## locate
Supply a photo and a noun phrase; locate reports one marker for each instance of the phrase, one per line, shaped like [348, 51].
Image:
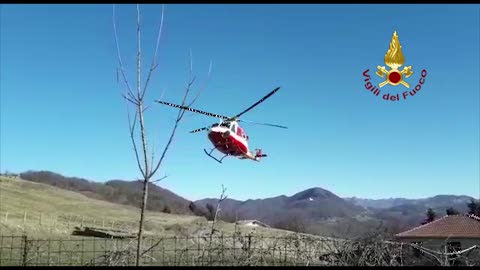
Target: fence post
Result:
[222, 248]
[25, 250]
[234, 248]
[24, 220]
[175, 251]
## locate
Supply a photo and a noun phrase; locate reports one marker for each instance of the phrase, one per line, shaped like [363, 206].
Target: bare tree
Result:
[217, 209]
[135, 100]
[213, 214]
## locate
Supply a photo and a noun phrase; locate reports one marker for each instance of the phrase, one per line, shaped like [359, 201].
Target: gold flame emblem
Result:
[394, 59]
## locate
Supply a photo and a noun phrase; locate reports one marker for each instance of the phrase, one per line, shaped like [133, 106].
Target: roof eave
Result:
[438, 236]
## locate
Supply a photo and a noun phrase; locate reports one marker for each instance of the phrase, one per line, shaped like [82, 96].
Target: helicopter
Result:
[227, 136]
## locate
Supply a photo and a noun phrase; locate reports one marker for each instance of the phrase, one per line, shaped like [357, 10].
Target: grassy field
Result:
[44, 211]
[47, 216]
[37, 220]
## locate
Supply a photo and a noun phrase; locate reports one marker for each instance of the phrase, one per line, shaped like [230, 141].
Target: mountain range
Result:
[311, 205]
[432, 202]
[314, 210]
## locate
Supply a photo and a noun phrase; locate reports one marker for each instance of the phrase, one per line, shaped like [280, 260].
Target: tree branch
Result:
[153, 246]
[139, 55]
[146, 108]
[152, 152]
[204, 86]
[154, 60]
[130, 100]
[158, 180]
[140, 108]
[181, 112]
[131, 127]
[217, 209]
[125, 80]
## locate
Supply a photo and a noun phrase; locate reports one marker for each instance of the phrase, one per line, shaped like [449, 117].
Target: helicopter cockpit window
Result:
[225, 124]
[234, 127]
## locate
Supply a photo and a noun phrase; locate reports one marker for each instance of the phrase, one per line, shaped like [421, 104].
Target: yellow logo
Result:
[394, 59]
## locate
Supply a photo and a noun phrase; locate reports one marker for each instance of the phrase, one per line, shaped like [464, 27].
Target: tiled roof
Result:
[455, 226]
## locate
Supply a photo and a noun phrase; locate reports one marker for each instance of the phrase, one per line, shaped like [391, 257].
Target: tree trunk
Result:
[146, 178]
[137, 99]
[140, 229]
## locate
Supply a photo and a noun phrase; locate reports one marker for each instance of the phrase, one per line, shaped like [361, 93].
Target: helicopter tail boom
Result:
[258, 155]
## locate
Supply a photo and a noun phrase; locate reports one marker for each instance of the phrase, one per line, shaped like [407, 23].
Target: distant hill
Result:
[314, 204]
[301, 212]
[314, 210]
[317, 210]
[438, 201]
[118, 191]
[379, 203]
[411, 212]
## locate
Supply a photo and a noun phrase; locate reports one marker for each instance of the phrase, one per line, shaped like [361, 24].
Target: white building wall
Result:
[439, 243]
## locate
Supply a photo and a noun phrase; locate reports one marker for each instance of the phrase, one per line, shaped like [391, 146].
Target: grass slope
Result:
[44, 211]
[38, 209]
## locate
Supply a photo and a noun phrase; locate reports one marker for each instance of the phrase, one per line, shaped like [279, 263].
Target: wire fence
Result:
[61, 221]
[222, 250]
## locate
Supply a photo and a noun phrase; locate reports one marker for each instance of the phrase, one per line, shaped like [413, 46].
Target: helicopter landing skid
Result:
[210, 155]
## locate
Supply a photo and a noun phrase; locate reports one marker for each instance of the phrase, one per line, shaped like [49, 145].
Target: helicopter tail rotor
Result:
[259, 154]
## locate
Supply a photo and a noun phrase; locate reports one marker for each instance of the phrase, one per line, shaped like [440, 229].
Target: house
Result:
[449, 233]
[253, 223]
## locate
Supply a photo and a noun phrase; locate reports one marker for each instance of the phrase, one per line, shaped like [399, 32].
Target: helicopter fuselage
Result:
[229, 138]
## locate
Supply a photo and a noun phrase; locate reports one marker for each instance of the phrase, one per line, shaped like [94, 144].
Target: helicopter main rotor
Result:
[225, 118]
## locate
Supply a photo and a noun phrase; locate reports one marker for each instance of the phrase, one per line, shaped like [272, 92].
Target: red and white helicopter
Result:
[227, 136]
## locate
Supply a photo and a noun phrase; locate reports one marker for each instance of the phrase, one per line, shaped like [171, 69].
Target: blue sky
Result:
[61, 109]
